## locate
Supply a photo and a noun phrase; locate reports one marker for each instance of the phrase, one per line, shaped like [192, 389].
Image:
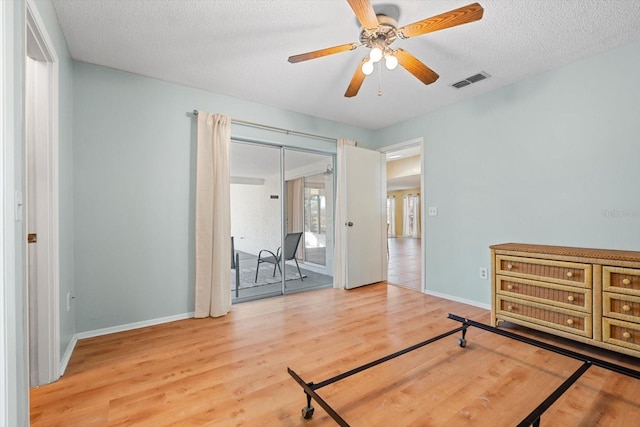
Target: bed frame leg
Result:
[307, 411]
[462, 342]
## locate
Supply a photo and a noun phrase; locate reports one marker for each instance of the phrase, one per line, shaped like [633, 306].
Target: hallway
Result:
[405, 256]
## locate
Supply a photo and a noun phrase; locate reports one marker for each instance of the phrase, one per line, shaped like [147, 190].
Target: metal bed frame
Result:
[533, 419]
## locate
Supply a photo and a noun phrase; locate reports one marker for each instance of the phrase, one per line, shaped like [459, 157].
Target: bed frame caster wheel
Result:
[307, 412]
[462, 342]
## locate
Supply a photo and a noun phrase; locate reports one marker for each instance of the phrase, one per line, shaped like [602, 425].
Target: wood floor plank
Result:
[231, 371]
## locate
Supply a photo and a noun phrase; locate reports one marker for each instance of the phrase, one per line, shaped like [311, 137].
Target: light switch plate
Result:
[433, 211]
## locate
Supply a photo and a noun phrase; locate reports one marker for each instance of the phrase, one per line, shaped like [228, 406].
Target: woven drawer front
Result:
[621, 333]
[573, 322]
[623, 280]
[547, 293]
[567, 273]
[620, 306]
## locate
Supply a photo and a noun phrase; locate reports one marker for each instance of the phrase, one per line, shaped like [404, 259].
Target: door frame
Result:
[46, 98]
[416, 142]
[7, 244]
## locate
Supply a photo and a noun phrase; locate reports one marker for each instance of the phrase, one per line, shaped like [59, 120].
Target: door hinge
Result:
[32, 237]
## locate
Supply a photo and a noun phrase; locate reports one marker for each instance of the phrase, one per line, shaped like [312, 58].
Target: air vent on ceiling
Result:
[473, 79]
[460, 84]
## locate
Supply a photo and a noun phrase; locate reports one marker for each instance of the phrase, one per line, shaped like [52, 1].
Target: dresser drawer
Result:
[570, 321]
[622, 280]
[561, 272]
[569, 297]
[620, 306]
[620, 333]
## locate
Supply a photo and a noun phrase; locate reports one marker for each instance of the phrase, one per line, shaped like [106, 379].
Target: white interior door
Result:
[41, 131]
[365, 216]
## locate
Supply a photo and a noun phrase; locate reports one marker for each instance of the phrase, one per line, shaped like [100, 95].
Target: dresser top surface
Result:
[612, 254]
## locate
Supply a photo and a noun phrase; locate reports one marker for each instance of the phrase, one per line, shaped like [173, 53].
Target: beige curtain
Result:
[411, 216]
[295, 221]
[416, 217]
[406, 215]
[391, 231]
[213, 216]
[340, 244]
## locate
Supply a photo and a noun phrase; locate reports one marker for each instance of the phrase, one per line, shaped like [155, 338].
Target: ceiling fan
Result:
[380, 31]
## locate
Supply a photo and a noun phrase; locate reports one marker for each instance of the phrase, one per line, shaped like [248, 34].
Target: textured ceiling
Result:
[240, 48]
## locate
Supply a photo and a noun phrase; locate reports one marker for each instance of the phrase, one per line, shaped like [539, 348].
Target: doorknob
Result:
[349, 224]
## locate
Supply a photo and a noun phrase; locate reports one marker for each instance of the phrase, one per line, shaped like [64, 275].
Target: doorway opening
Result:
[405, 214]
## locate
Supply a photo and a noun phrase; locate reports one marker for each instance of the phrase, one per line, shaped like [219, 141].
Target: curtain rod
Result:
[276, 129]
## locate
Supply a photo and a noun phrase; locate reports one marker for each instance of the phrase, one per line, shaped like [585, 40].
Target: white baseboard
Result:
[457, 299]
[67, 355]
[130, 326]
[120, 328]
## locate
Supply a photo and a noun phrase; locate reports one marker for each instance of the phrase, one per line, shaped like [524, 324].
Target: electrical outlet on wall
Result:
[484, 273]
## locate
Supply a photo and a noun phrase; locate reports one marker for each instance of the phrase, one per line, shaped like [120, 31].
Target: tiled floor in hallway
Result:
[405, 256]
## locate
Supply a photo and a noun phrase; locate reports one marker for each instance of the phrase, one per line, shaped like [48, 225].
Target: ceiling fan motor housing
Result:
[382, 36]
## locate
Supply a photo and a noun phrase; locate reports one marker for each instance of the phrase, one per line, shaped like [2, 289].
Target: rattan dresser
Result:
[588, 295]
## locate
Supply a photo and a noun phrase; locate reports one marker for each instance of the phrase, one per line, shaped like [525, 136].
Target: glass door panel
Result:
[256, 220]
[309, 188]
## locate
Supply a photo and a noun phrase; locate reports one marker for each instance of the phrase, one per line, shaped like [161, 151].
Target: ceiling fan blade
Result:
[323, 52]
[463, 15]
[365, 13]
[356, 81]
[423, 73]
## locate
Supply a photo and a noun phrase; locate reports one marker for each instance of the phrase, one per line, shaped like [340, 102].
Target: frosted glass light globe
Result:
[375, 54]
[391, 62]
[367, 68]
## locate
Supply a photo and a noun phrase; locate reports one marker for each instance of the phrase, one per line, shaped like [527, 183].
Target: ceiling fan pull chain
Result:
[379, 79]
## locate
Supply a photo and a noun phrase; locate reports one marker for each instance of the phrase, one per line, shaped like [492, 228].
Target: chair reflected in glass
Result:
[291, 242]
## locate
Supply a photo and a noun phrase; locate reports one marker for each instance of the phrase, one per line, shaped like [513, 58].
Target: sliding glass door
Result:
[281, 220]
[309, 184]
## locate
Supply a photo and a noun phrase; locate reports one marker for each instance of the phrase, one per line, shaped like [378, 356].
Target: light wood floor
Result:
[231, 371]
[405, 257]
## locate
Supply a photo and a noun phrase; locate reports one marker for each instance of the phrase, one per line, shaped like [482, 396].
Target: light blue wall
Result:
[134, 157]
[551, 160]
[65, 168]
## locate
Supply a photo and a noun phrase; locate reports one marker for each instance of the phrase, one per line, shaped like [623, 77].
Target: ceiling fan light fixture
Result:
[376, 54]
[390, 61]
[367, 67]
